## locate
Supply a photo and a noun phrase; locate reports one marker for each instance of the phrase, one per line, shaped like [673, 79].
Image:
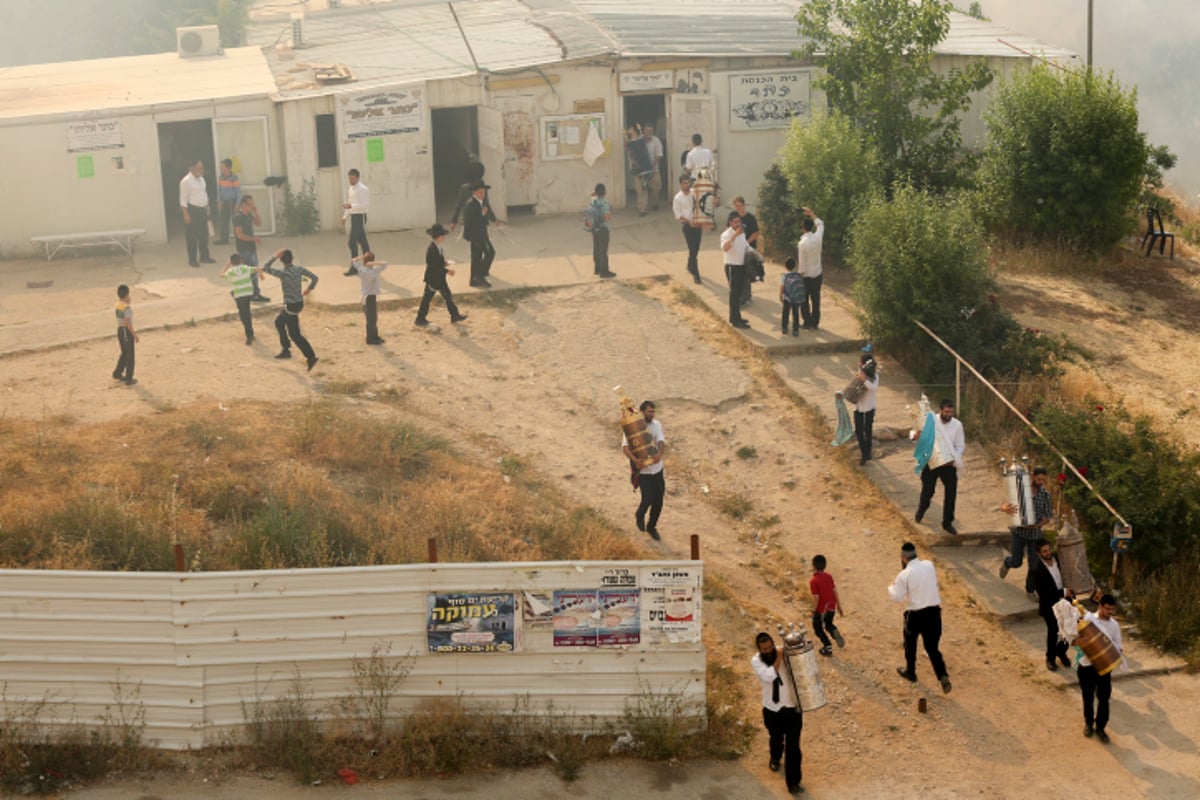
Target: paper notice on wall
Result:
[593, 148]
[670, 614]
[574, 618]
[619, 620]
[471, 623]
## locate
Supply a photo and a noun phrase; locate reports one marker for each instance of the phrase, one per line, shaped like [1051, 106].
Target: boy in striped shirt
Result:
[242, 276]
[291, 277]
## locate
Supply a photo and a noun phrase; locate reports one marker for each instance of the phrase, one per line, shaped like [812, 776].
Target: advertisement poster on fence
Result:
[671, 614]
[620, 618]
[471, 623]
[537, 611]
[575, 618]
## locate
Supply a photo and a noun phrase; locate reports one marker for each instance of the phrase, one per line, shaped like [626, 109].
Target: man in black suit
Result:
[1048, 583]
[475, 230]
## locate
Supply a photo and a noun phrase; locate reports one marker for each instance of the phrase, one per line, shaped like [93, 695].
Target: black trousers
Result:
[358, 234]
[600, 251]
[948, 475]
[783, 731]
[692, 237]
[372, 314]
[926, 624]
[1054, 648]
[653, 489]
[124, 370]
[482, 256]
[444, 290]
[737, 283]
[243, 307]
[288, 326]
[864, 429]
[197, 234]
[792, 309]
[250, 259]
[224, 221]
[1095, 688]
[810, 309]
[823, 621]
[745, 298]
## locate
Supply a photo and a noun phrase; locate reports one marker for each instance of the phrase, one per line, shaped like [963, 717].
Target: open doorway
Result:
[648, 109]
[455, 146]
[181, 144]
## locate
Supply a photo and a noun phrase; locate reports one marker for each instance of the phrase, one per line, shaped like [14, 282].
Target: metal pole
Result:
[1089, 34]
[957, 386]
[433, 558]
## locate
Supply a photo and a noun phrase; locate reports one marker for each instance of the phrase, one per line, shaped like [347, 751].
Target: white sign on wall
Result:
[94, 134]
[382, 113]
[768, 98]
[647, 81]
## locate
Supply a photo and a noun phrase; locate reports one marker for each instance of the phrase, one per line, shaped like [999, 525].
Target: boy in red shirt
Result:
[826, 603]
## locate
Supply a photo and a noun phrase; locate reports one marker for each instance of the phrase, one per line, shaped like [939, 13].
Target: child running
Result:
[291, 277]
[242, 276]
[826, 602]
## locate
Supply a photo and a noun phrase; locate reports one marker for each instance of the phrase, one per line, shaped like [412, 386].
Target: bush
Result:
[827, 165]
[299, 216]
[1149, 479]
[1064, 161]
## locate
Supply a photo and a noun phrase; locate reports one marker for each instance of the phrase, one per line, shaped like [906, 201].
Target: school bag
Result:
[793, 288]
[591, 217]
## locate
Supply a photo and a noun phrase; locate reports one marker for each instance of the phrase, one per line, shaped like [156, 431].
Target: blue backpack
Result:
[590, 217]
[793, 288]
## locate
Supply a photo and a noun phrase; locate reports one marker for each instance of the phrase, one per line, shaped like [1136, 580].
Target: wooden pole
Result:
[180, 564]
[433, 551]
[695, 547]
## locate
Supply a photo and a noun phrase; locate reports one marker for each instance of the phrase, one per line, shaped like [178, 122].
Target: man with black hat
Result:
[917, 587]
[782, 715]
[476, 216]
[436, 270]
[684, 208]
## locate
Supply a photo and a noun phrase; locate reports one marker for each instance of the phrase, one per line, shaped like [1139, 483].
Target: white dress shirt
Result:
[359, 198]
[950, 434]
[736, 255]
[808, 251]
[683, 206]
[1109, 628]
[654, 148]
[916, 586]
[768, 675]
[193, 191]
[870, 388]
[699, 157]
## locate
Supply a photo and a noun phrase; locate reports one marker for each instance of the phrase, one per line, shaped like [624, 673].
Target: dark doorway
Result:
[181, 144]
[648, 109]
[455, 146]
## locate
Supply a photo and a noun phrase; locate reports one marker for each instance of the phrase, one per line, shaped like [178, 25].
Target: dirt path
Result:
[537, 382]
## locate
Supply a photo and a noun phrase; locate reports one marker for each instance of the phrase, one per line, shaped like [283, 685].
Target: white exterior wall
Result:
[191, 648]
[114, 199]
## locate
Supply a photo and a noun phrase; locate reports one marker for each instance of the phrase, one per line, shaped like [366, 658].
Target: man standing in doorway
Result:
[684, 208]
[951, 442]
[782, 716]
[917, 588]
[358, 201]
[193, 201]
[699, 159]
[650, 185]
[651, 481]
[808, 264]
[229, 194]
[476, 216]
[733, 242]
[246, 242]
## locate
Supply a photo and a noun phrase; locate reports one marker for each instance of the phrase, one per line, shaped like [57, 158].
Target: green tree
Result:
[827, 165]
[1065, 161]
[878, 59]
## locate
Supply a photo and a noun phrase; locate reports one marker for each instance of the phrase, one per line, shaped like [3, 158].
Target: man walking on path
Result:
[193, 202]
[291, 277]
[1023, 539]
[358, 202]
[684, 208]
[1047, 580]
[917, 588]
[476, 217]
[1094, 687]
[950, 441]
[782, 715]
[651, 482]
[808, 264]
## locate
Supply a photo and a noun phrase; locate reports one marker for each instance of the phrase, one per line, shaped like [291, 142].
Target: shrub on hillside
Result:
[827, 165]
[919, 257]
[1064, 161]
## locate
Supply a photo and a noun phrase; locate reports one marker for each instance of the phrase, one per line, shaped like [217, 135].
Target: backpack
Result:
[591, 217]
[793, 288]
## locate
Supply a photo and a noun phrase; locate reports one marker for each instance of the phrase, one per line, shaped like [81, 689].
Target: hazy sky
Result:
[1153, 44]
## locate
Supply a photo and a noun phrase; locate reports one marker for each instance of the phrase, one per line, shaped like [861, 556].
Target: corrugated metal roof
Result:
[120, 84]
[975, 37]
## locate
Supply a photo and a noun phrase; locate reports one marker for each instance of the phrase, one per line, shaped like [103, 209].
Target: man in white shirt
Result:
[733, 242]
[699, 158]
[782, 715]
[950, 440]
[808, 264]
[917, 588]
[684, 209]
[651, 481]
[1092, 685]
[358, 201]
[649, 186]
[193, 202]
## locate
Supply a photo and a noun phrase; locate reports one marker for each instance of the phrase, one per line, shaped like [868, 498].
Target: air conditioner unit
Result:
[201, 40]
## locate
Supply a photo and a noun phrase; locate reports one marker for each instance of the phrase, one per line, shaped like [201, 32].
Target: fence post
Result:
[432, 550]
[180, 564]
[957, 386]
[695, 547]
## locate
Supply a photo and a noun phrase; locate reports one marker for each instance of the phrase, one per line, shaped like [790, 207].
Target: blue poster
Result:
[471, 623]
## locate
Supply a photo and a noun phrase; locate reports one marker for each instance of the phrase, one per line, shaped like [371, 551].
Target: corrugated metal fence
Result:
[192, 649]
